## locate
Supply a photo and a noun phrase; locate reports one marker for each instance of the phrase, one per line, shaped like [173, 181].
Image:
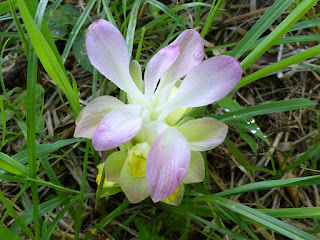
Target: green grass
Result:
[47, 177]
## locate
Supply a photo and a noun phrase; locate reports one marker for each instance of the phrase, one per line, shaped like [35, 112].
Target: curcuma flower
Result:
[160, 148]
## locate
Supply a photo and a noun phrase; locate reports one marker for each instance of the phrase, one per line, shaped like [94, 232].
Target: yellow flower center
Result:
[137, 165]
[138, 159]
[106, 183]
[177, 114]
[173, 196]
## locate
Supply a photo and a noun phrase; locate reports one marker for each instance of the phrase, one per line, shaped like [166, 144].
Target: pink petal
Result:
[208, 82]
[90, 116]
[158, 65]
[167, 164]
[118, 127]
[203, 134]
[108, 53]
[191, 47]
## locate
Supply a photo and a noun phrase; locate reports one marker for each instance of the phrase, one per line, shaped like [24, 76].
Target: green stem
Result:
[31, 133]
[82, 189]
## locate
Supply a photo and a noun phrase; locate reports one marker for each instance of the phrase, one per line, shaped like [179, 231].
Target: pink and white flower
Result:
[159, 151]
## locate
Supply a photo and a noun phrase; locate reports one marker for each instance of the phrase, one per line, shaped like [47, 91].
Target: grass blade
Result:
[6, 234]
[110, 18]
[16, 216]
[168, 11]
[10, 165]
[82, 189]
[212, 15]
[309, 53]
[24, 40]
[223, 230]
[260, 27]
[48, 58]
[306, 24]
[266, 108]
[306, 156]
[131, 26]
[263, 185]
[76, 28]
[260, 219]
[44, 149]
[56, 220]
[277, 33]
[306, 212]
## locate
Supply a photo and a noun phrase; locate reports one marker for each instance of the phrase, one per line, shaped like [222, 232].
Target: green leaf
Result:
[252, 143]
[291, 39]
[56, 220]
[277, 33]
[108, 12]
[263, 185]
[59, 19]
[306, 24]
[80, 52]
[306, 212]
[27, 217]
[168, 11]
[256, 216]
[52, 64]
[243, 123]
[10, 165]
[238, 155]
[18, 220]
[132, 26]
[107, 219]
[76, 28]
[309, 53]
[266, 108]
[314, 151]
[236, 219]
[260, 27]
[44, 149]
[3, 122]
[223, 230]
[44, 208]
[4, 7]
[82, 192]
[24, 40]
[215, 8]
[6, 234]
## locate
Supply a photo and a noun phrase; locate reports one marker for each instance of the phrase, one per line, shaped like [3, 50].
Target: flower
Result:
[159, 148]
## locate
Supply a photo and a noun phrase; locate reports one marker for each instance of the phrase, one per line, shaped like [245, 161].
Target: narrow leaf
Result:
[10, 165]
